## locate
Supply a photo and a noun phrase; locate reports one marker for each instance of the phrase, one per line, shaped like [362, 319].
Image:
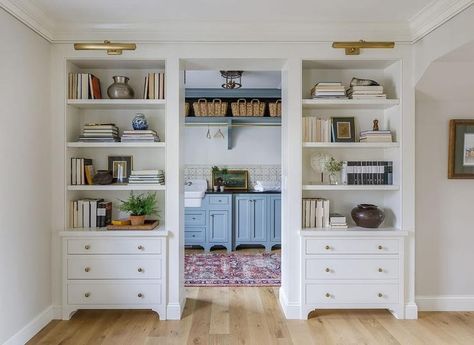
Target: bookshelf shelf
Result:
[350, 103]
[123, 104]
[113, 187]
[116, 145]
[101, 232]
[341, 187]
[353, 231]
[351, 145]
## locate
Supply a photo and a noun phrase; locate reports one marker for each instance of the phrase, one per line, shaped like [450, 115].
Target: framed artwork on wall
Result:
[343, 130]
[461, 149]
[233, 179]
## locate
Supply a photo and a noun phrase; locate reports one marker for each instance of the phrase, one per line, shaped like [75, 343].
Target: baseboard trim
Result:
[32, 328]
[175, 310]
[446, 303]
[411, 311]
[292, 311]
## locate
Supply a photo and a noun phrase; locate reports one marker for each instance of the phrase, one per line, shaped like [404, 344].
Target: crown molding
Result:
[434, 15]
[31, 16]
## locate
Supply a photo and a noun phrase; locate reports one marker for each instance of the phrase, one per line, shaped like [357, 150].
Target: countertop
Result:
[241, 191]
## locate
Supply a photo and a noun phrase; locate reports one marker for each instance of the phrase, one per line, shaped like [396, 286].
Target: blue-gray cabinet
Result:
[232, 220]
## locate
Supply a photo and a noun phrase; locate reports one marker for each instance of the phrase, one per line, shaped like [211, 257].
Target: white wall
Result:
[444, 227]
[251, 146]
[25, 202]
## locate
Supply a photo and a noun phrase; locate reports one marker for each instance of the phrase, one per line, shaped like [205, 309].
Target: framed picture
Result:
[121, 167]
[343, 130]
[461, 149]
[233, 179]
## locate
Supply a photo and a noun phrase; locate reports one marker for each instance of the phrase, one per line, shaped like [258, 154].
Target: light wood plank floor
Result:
[224, 316]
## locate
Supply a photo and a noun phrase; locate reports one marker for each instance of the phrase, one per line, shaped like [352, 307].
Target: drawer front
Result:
[351, 268]
[351, 294]
[194, 218]
[351, 246]
[113, 267]
[219, 199]
[113, 293]
[194, 235]
[115, 246]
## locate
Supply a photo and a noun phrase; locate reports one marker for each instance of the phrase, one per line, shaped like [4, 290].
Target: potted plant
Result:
[139, 206]
[333, 166]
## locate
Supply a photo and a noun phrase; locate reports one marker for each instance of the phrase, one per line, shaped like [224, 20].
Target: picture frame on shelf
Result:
[121, 167]
[461, 149]
[343, 129]
[233, 179]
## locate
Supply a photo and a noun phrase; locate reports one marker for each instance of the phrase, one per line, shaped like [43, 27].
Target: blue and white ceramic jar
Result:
[140, 122]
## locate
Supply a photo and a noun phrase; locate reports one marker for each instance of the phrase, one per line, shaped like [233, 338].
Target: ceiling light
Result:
[233, 79]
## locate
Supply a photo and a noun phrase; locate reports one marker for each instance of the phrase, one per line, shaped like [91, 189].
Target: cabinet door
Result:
[275, 218]
[219, 230]
[242, 218]
[259, 219]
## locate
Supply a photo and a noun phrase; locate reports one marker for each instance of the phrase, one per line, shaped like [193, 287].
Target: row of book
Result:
[83, 86]
[367, 172]
[90, 213]
[380, 136]
[316, 129]
[154, 86]
[147, 177]
[328, 90]
[315, 213]
[104, 132]
[366, 92]
[134, 136]
[82, 171]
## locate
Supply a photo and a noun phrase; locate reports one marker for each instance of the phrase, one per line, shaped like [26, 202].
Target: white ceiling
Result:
[234, 20]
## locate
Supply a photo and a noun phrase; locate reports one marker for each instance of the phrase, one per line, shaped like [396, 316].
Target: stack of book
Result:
[366, 92]
[316, 130]
[105, 132]
[90, 213]
[367, 172]
[154, 86]
[337, 221]
[83, 86]
[328, 90]
[140, 136]
[82, 171]
[315, 213]
[384, 136]
[147, 177]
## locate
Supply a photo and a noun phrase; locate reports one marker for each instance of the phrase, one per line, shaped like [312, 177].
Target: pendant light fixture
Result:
[233, 79]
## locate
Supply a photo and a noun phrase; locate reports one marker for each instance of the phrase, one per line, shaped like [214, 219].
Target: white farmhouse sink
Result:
[194, 192]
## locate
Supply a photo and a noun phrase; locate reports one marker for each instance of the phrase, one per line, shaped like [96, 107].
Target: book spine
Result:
[93, 216]
[344, 173]
[390, 173]
[76, 215]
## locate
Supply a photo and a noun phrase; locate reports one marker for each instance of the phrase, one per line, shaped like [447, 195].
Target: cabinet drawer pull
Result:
[87, 269]
[328, 270]
[140, 269]
[327, 247]
[328, 295]
[380, 270]
[87, 295]
[87, 247]
[140, 295]
[380, 295]
[380, 247]
[140, 247]
[194, 218]
[194, 235]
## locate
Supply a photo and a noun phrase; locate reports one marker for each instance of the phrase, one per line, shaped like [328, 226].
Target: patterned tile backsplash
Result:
[267, 173]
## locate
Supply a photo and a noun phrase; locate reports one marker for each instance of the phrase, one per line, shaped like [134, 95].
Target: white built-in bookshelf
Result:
[146, 155]
[389, 113]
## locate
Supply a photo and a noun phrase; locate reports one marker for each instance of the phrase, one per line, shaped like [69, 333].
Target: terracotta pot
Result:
[137, 220]
[367, 216]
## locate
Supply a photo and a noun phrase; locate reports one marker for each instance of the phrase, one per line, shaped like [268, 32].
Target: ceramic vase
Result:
[140, 122]
[367, 216]
[120, 88]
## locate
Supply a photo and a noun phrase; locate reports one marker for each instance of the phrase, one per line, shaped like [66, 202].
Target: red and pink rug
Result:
[232, 269]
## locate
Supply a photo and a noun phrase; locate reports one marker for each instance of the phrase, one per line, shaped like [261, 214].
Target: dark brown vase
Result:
[367, 216]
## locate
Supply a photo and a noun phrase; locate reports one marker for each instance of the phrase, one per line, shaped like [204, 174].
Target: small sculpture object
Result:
[375, 126]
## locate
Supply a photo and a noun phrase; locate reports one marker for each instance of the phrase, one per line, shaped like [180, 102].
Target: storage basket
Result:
[275, 108]
[186, 109]
[215, 108]
[244, 108]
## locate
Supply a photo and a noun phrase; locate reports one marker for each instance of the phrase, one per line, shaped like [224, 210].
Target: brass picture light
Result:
[353, 48]
[112, 48]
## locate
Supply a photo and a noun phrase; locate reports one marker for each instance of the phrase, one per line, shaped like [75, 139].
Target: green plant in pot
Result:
[333, 167]
[139, 206]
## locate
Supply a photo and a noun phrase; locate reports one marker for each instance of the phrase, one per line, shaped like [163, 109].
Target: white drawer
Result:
[351, 246]
[113, 267]
[328, 267]
[114, 246]
[351, 293]
[113, 293]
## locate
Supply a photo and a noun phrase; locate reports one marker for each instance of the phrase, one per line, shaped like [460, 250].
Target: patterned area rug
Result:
[232, 269]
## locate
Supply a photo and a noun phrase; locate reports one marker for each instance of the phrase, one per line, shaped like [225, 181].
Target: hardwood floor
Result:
[224, 316]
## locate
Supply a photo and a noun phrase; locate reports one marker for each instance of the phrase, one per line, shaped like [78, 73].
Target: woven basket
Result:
[275, 108]
[244, 108]
[186, 109]
[215, 108]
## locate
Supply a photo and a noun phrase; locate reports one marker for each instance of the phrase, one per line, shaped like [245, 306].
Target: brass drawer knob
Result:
[140, 270]
[141, 247]
[380, 270]
[327, 247]
[380, 295]
[87, 269]
[380, 247]
[328, 295]
[87, 247]
[140, 295]
[328, 270]
[87, 295]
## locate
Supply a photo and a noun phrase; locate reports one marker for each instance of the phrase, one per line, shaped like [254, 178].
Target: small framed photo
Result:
[343, 130]
[461, 149]
[121, 167]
